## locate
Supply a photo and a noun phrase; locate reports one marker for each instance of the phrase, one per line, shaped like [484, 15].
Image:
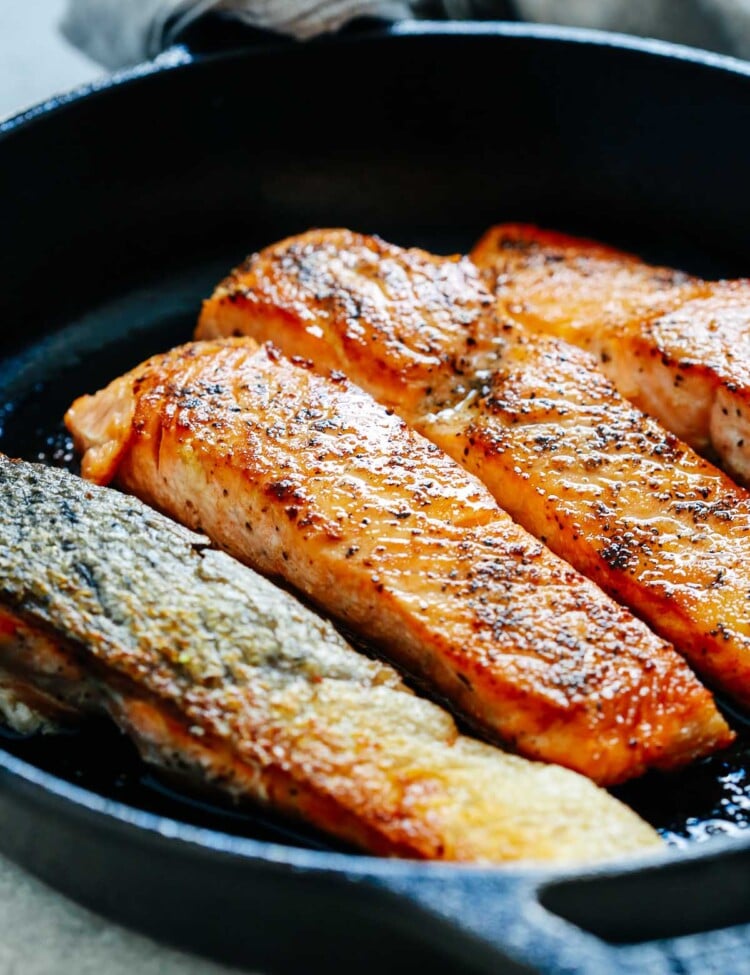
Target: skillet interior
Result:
[37, 385]
[126, 206]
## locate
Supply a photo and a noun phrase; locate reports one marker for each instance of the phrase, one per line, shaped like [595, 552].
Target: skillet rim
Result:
[180, 56]
[21, 774]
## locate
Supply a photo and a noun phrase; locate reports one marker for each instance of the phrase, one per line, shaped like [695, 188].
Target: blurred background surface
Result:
[35, 61]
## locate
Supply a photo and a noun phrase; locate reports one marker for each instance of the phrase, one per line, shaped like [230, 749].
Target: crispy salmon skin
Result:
[676, 346]
[603, 485]
[308, 479]
[107, 605]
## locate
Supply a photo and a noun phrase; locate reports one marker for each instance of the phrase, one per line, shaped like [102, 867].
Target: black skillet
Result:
[122, 205]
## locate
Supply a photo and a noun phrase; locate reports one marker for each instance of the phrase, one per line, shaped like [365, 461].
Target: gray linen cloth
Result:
[121, 32]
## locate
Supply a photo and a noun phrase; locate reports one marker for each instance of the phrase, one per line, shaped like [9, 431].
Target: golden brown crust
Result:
[607, 488]
[677, 347]
[333, 296]
[576, 289]
[309, 480]
[630, 506]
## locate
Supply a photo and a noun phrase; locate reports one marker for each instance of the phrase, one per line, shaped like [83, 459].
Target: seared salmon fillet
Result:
[677, 347]
[309, 480]
[107, 606]
[605, 486]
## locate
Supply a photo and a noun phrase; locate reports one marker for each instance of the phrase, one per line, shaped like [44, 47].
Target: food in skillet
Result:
[605, 486]
[308, 479]
[677, 346]
[228, 682]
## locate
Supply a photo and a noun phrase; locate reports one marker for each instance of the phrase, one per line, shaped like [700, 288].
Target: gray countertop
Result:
[42, 933]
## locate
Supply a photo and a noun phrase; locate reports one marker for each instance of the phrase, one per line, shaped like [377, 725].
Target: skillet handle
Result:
[669, 917]
[217, 32]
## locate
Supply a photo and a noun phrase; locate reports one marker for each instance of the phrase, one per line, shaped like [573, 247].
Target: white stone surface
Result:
[42, 933]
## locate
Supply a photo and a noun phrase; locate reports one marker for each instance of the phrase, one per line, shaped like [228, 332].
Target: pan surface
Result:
[124, 205]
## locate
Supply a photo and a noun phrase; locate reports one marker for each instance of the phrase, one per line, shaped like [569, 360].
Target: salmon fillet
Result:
[107, 606]
[677, 347]
[605, 486]
[309, 480]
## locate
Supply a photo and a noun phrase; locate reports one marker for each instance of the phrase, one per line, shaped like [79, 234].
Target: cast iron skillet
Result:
[122, 205]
